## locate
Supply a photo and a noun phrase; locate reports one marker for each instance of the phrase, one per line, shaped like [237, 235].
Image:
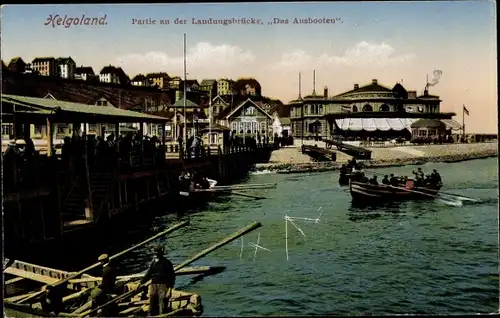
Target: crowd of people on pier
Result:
[353, 171]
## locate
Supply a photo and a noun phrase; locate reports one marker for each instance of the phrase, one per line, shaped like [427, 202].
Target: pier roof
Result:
[62, 111]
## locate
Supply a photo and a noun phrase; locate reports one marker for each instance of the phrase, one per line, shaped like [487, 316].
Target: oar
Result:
[212, 248]
[248, 195]
[83, 271]
[460, 197]
[435, 196]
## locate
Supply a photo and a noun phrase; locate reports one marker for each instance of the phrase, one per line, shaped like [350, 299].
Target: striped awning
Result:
[452, 124]
[373, 124]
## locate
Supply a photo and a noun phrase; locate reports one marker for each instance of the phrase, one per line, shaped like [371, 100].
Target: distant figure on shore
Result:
[162, 275]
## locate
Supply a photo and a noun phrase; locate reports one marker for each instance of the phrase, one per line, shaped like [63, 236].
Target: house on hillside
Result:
[45, 66]
[175, 82]
[281, 120]
[66, 67]
[191, 85]
[248, 87]
[217, 106]
[140, 80]
[226, 87]
[248, 118]
[85, 73]
[17, 65]
[109, 74]
[160, 80]
[209, 86]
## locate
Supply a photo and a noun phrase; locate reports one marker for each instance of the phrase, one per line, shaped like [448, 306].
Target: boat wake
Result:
[262, 172]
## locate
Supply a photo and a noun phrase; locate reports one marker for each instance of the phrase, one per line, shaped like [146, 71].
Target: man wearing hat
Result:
[162, 275]
[103, 293]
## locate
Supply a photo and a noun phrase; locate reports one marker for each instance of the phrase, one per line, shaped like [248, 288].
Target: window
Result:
[39, 129]
[367, 108]
[250, 110]
[234, 126]
[384, 108]
[7, 129]
[320, 109]
[92, 127]
[214, 139]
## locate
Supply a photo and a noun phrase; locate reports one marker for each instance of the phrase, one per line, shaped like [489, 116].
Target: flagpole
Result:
[185, 78]
[210, 116]
[463, 121]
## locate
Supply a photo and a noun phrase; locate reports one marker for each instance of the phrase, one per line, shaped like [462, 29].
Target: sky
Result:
[388, 41]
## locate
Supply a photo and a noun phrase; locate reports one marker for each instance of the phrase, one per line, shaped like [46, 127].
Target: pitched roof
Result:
[109, 70]
[156, 75]
[90, 110]
[82, 91]
[243, 104]
[84, 70]
[218, 98]
[372, 87]
[180, 103]
[64, 60]
[428, 123]
[242, 82]
[207, 82]
[138, 78]
[283, 111]
[16, 59]
[43, 59]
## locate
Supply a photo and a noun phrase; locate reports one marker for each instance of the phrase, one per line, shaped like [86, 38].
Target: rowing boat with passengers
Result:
[366, 192]
[70, 294]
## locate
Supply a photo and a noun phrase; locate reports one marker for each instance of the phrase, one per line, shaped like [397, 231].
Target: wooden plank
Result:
[13, 280]
[31, 276]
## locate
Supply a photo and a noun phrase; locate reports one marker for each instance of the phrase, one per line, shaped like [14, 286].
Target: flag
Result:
[466, 111]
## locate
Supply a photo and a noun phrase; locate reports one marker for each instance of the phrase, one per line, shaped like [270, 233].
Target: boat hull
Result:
[369, 193]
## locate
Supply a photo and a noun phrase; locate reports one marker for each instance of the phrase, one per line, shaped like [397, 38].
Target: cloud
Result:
[363, 54]
[204, 59]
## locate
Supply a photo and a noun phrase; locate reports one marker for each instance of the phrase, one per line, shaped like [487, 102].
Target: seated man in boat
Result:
[364, 178]
[436, 178]
[385, 180]
[204, 184]
[393, 180]
[162, 275]
[373, 180]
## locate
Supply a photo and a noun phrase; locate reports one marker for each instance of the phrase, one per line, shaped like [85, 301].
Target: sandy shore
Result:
[291, 159]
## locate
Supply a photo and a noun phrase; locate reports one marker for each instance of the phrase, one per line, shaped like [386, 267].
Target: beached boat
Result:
[21, 277]
[368, 193]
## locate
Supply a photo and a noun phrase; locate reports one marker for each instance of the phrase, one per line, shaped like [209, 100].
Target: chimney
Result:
[356, 86]
[374, 81]
[325, 93]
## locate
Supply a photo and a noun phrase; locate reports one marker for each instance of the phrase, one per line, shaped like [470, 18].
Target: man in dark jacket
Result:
[162, 275]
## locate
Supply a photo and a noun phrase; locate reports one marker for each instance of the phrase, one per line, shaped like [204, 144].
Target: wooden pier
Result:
[49, 199]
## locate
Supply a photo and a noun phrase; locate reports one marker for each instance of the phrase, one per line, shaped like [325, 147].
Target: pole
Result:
[210, 116]
[463, 121]
[185, 78]
[301, 111]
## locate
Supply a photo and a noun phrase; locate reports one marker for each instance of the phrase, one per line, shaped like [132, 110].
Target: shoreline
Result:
[307, 167]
